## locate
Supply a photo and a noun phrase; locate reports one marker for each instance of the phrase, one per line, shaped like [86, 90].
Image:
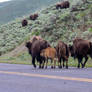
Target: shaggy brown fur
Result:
[81, 48]
[35, 48]
[62, 53]
[24, 22]
[49, 53]
[62, 5]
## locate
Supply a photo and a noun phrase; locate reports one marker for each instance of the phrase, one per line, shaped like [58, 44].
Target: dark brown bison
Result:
[24, 22]
[49, 53]
[62, 53]
[35, 48]
[62, 5]
[81, 49]
[34, 16]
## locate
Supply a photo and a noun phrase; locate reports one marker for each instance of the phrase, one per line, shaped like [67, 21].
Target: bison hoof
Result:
[39, 67]
[34, 66]
[42, 67]
[51, 67]
[83, 66]
[46, 67]
[66, 67]
[78, 67]
[60, 67]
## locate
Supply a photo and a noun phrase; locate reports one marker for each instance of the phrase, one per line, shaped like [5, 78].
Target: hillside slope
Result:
[52, 25]
[17, 8]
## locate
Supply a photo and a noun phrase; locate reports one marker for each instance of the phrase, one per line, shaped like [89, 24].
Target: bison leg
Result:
[51, 63]
[79, 61]
[63, 63]
[66, 64]
[40, 65]
[43, 62]
[33, 62]
[54, 63]
[46, 63]
[86, 58]
[60, 66]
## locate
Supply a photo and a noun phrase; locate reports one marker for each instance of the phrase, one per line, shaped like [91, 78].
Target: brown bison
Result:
[81, 49]
[34, 16]
[49, 53]
[35, 48]
[62, 53]
[62, 5]
[24, 22]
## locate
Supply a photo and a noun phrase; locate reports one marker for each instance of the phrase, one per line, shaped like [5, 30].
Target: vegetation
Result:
[52, 25]
[18, 8]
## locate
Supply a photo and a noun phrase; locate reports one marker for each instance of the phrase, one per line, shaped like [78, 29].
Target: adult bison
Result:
[81, 49]
[35, 48]
[24, 22]
[62, 53]
[62, 5]
[34, 16]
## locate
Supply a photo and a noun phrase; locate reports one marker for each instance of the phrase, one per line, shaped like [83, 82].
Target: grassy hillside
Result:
[52, 25]
[17, 8]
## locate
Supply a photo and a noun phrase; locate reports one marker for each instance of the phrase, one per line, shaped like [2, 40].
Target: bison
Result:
[35, 48]
[81, 49]
[62, 5]
[34, 16]
[49, 53]
[24, 22]
[62, 53]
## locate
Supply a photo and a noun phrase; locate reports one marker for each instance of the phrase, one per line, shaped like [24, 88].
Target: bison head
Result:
[28, 44]
[71, 49]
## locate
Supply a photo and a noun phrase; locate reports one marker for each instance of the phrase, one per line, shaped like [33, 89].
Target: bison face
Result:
[28, 44]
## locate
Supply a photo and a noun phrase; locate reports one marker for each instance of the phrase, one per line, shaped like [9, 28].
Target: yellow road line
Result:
[48, 76]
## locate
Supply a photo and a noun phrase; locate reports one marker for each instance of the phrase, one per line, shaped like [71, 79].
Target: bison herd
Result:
[60, 5]
[41, 51]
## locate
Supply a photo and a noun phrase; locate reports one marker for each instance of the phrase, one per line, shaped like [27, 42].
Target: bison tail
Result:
[67, 51]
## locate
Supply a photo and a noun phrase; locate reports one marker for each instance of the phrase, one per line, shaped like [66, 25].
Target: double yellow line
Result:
[47, 76]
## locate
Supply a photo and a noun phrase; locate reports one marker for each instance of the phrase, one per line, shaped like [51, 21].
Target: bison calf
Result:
[49, 53]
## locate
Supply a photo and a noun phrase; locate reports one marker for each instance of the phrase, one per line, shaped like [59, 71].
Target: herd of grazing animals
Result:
[41, 51]
[60, 5]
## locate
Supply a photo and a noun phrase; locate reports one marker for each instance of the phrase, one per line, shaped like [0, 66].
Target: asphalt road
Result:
[24, 78]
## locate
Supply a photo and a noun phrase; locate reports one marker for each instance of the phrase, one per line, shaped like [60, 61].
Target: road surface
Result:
[24, 78]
